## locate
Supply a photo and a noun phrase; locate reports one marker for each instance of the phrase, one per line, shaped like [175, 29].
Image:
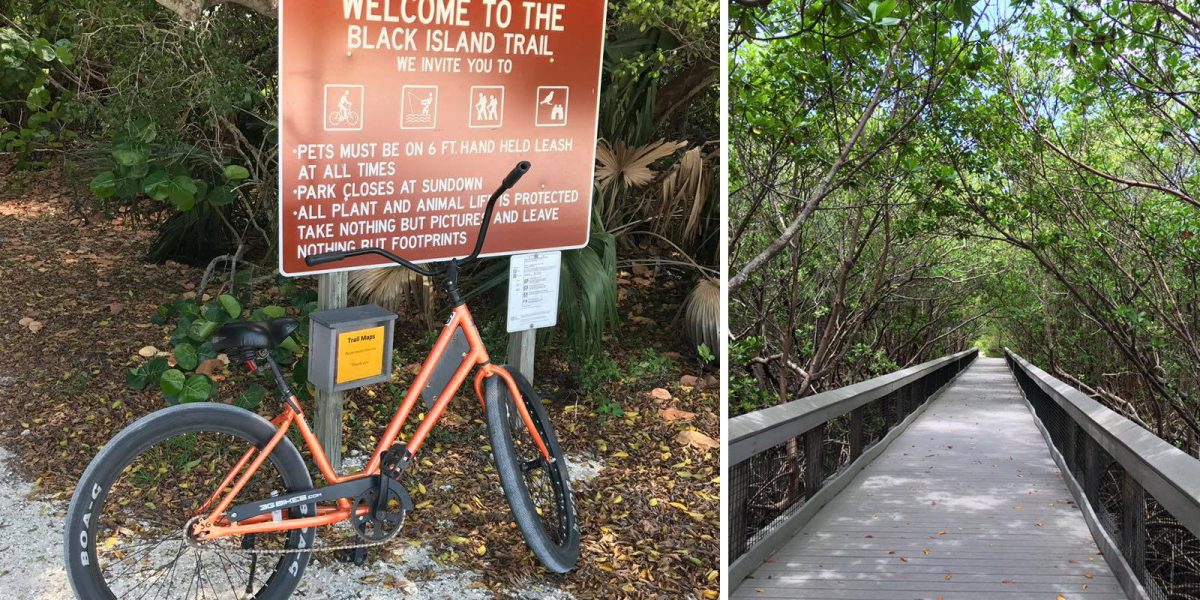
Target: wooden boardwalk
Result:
[966, 504]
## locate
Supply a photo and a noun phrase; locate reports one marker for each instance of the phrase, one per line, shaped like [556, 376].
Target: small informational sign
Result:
[533, 290]
[400, 117]
[350, 347]
[360, 354]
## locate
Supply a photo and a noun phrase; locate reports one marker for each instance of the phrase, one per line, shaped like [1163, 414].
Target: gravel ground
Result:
[31, 561]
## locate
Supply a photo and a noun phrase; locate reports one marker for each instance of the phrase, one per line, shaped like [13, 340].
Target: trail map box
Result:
[399, 117]
[350, 347]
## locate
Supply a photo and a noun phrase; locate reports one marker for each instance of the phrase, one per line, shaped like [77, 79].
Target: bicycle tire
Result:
[557, 550]
[83, 567]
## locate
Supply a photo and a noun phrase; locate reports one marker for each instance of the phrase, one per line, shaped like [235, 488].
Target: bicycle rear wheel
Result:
[127, 522]
[539, 492]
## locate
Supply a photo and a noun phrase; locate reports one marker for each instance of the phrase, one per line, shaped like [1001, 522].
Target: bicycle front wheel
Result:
[538, 491]
[127, 525]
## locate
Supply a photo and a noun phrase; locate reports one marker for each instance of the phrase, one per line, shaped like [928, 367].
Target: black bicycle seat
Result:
[253, 335]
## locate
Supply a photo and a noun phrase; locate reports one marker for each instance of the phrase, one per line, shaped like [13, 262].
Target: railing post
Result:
[1133, 525]
[1068, 450]
[1091, 470]
[892, 404]
[857, 417]
[814, 466]
[739, 496]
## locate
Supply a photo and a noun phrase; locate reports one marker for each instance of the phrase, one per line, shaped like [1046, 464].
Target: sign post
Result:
[331, 294]
[533, 281]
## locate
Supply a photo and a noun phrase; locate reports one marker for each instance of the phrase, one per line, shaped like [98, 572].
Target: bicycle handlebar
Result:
[510, 180]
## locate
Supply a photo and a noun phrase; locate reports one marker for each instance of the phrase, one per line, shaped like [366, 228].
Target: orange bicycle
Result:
[209, 500]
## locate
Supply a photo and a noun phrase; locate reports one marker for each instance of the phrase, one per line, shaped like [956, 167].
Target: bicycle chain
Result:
[207, 546]
[389, 465]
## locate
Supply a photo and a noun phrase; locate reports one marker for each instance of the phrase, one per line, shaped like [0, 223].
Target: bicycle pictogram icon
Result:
[344, 105]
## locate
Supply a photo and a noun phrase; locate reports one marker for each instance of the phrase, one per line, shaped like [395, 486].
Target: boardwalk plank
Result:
[973, 466]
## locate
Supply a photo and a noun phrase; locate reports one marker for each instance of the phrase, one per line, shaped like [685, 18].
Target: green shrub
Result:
[33, 113]
[191, 344]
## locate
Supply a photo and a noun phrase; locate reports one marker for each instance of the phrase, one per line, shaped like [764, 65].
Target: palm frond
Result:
[685, 190]
[587, 304]
[630, 166]
[398, 290]
[702, 314]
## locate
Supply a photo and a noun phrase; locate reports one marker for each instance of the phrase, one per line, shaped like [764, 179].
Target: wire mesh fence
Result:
[1160, 550]
[772, 483]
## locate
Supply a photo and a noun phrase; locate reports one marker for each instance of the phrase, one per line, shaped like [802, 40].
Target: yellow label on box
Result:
[360, 354]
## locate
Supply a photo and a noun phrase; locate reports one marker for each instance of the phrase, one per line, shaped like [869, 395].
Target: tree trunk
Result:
[190, 10]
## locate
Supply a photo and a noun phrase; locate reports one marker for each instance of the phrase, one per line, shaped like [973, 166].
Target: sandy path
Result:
[31, 556]
[31, 560]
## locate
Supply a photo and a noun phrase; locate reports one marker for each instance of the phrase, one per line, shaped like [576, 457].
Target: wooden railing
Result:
[1141, 495]
[788, 460]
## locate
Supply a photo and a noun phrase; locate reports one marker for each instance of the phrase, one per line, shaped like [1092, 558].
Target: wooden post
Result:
[521, 349]
[857, 440]
[814, 462]
[1070, 453]
[1133, 525]
[331, 293]
[895, 404]
[1091, 470]
[739, 474]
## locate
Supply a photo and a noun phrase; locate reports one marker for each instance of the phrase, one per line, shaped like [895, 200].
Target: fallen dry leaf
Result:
[674, 414]
[210, 366]
[949, 577]
[35, 326]
[147, 352]
[692, 437]
[1008, 581]
[1088, 574]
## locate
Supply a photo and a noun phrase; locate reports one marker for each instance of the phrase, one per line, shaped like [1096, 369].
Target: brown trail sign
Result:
[399, 118]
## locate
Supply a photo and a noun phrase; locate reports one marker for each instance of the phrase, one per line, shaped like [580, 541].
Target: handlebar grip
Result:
[320, 259]
[517, 173]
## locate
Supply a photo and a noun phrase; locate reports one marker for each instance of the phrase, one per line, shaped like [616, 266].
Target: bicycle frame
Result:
[215, 525]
